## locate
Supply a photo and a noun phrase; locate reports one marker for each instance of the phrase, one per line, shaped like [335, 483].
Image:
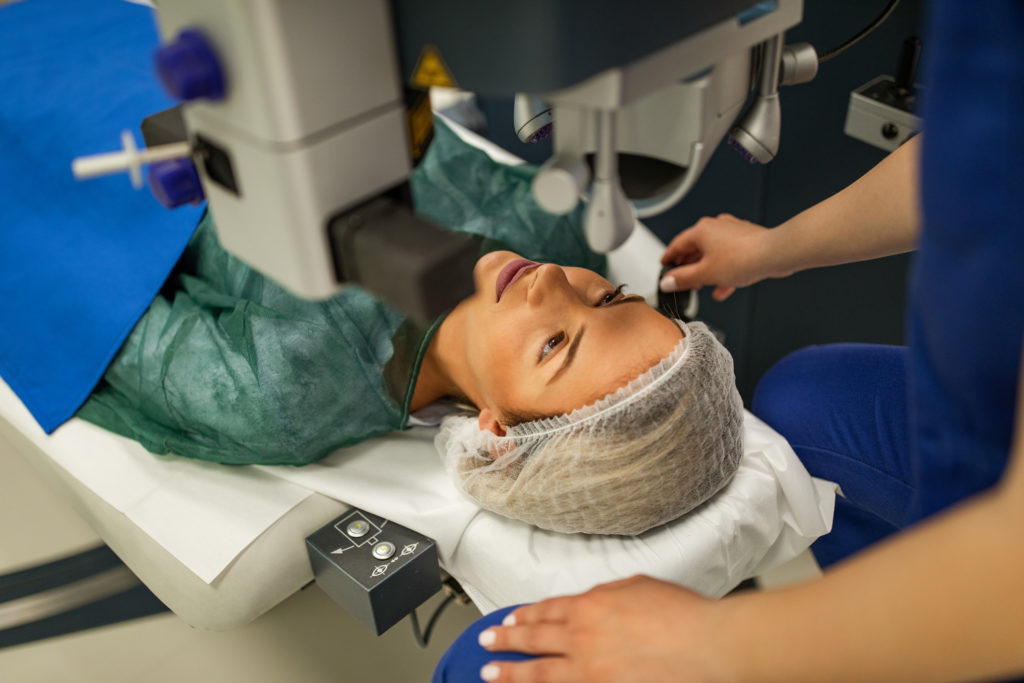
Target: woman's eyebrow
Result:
[571, 351]
[569, 354]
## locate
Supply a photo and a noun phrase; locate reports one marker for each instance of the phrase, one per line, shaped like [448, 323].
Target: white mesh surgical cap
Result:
[641, 456]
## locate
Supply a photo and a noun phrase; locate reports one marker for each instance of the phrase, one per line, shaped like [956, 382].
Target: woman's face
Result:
[542, 339]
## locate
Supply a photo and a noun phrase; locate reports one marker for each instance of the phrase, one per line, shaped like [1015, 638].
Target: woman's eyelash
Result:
[551, 345]
[611, 296]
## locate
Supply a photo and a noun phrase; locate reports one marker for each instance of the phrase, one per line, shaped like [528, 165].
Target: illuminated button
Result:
[383, 551]
[357, 528]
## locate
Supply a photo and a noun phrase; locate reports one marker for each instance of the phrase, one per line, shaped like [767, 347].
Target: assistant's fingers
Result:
[620, 583]
[534, 639]
[685, 277]
[722, 293]
[547, 669]
[552, 610]
[682, 246]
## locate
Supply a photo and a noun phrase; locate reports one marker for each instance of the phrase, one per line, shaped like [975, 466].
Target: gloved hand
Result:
[724, 251]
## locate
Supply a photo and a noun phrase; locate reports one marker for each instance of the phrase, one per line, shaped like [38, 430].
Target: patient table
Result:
[221, 545]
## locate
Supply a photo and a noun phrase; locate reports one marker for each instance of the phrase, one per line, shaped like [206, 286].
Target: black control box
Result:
[377, 570]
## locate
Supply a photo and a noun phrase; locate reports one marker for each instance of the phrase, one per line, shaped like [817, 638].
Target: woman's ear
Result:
[489, 423]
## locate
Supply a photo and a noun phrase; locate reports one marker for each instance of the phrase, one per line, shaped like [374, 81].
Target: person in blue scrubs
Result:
[921, 437]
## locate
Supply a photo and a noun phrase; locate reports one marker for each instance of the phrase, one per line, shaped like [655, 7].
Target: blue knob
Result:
[175, 182]
[189, 68]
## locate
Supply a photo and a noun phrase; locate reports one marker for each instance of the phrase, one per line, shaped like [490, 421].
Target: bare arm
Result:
[941, 602]
[876, 216]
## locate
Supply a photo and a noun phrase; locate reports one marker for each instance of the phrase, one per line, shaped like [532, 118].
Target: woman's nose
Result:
[549, 283]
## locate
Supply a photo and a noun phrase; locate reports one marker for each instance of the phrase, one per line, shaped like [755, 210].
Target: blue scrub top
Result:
[966, 320]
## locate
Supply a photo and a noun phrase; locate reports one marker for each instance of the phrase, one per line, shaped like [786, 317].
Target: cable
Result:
[423, 638]
[861, 35]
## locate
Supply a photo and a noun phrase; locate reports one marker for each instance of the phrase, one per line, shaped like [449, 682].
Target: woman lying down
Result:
[593, 412]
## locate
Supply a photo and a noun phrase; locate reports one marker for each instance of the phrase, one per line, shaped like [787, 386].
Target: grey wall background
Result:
[862, 302]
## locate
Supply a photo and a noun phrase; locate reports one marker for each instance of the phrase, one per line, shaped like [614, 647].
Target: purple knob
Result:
[189, 68]
[175, 182]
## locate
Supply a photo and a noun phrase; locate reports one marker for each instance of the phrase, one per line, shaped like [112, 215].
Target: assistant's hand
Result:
[724, 251]
[637, 629]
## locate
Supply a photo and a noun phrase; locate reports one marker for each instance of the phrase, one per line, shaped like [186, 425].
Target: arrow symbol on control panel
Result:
[339, 551]
[411, 548]
[379, 569]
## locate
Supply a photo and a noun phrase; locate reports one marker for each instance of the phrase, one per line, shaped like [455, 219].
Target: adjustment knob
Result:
[560, 182]
[175, 182]
[189, 69]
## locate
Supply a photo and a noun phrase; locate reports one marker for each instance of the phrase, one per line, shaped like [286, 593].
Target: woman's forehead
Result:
[572, 272]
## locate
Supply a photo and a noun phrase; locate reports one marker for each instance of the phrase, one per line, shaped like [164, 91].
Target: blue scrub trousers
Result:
[464, 659]
[909, 431]
[843, 409]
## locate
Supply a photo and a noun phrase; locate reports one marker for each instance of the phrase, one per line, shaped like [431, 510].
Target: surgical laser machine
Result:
[305, 118]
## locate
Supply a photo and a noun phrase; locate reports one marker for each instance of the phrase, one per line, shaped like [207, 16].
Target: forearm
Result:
[942, 602]
[876, 216]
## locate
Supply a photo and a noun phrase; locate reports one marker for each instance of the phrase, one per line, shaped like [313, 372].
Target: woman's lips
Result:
[510, 273]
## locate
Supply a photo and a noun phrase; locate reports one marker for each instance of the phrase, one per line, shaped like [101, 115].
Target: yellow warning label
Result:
[431, 70]
[420, 121]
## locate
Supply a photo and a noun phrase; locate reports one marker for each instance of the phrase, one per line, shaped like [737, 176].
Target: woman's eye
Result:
[552, 344]
[611, 296]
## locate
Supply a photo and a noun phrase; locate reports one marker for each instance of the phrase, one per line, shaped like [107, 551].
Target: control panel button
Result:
[357, 528]
[384, 550]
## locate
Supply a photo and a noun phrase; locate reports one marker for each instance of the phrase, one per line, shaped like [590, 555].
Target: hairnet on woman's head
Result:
[643, 455]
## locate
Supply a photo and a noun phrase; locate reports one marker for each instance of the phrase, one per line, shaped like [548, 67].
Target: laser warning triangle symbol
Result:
[431, 70]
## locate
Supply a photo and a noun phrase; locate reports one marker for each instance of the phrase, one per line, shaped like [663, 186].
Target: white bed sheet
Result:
[770, 512]
[202, 513]
[206, 515]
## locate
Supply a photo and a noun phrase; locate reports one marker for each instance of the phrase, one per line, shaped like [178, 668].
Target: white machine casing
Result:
[867, 119]
[675, 105]
[313, 122]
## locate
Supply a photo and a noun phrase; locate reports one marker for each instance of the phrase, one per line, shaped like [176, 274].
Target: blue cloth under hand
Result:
[79, 261]
[464, 659]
